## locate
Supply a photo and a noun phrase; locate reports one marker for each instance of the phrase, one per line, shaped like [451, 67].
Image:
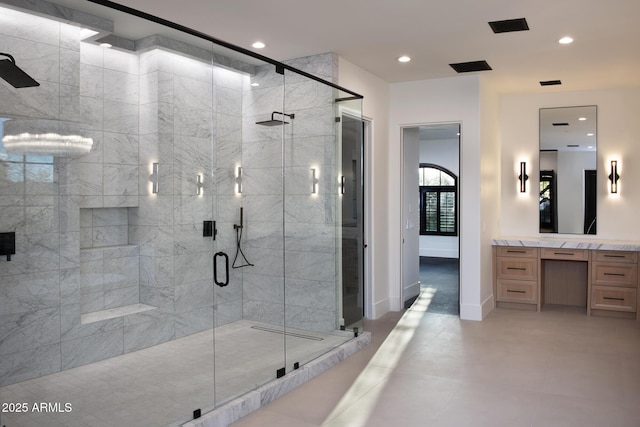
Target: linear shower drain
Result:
[293, 334]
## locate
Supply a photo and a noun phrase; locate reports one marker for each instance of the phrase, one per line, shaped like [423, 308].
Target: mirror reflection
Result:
[568, 164]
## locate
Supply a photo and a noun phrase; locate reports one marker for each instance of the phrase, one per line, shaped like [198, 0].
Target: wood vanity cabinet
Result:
[606, 281]
[516, 270]
[614, 281]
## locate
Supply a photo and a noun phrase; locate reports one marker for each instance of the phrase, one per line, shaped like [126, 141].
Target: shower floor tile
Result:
[163, 384]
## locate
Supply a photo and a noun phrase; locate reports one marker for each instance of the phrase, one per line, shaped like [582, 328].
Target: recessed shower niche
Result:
[109, 265]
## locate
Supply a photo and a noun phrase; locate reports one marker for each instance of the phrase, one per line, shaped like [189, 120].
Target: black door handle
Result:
[215, 269]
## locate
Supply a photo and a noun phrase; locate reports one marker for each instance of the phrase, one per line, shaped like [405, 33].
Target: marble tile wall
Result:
[109, 91]
[184, 104]
[158, 106]
[39, 200]
[305, 279]
[109, 277]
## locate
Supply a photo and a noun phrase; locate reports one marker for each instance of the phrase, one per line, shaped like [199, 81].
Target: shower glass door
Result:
[249, 310]
[351, 210]
[312, 219]
[169, 268]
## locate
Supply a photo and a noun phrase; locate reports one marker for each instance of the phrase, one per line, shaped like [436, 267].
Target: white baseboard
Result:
[381, 308]
[411, 291]
[487, 306]
[475, 311]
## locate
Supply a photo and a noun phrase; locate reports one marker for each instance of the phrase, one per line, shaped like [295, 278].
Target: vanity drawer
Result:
[614, 274]
[517, 268]
[517, 251]
[613, 298]
[616, 256]
[565, 254]
[517, 291]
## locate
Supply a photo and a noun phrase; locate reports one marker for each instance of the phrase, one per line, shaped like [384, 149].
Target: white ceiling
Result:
[374, 33]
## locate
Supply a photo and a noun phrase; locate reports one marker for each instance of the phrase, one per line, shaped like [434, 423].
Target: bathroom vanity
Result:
[601, 277]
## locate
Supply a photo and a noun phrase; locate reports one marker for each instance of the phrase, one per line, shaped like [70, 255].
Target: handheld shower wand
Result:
[238, 228]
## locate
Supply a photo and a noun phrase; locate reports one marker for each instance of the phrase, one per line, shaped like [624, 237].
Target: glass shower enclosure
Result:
[174, 205]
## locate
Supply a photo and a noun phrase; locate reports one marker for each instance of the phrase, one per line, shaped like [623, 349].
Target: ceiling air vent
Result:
[561, 124]
[469, 67]
[550, 83]
[509, 25]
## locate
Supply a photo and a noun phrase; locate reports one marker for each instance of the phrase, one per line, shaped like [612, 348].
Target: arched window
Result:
[438, 201]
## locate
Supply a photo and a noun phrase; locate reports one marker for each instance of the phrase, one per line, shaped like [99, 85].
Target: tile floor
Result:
[165, 383]
[515, 368]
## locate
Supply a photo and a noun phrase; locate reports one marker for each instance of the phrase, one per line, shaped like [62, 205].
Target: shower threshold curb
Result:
[263, 395]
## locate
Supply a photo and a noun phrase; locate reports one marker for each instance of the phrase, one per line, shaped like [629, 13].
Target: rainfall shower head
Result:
[276, 122]
[13, 74]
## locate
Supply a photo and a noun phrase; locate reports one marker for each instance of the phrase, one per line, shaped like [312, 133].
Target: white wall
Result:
[456, 99]
[375, 108]
[445, 153]
[489, 190]
[618, 130]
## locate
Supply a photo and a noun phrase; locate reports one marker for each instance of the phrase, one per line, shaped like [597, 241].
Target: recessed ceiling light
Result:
[259, 45]
[582, 119]
[255, 84]
[589, 134]
[105, 45]
[565, 40]
[404, 58]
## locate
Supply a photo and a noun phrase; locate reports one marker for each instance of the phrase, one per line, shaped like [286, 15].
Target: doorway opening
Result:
[431, 238]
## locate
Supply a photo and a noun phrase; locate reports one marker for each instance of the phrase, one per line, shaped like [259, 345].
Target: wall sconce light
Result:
[614, 177]
[523, 177]
[154, 179]
[239, 180]
[342, 184]
[199, 185]
[314, 182]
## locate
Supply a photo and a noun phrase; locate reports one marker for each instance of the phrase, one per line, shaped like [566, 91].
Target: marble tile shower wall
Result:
[185, 103]
[109, 266]
[309, 267]
[39, 200]
[162, 107]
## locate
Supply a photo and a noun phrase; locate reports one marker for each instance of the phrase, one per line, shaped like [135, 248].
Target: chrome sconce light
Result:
[154, 179]
[314, 182]
[239, 180]
[199, 185]
[614, 177]
[523, 177]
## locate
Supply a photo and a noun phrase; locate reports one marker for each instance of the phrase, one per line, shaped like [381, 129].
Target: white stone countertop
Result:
[607, 245]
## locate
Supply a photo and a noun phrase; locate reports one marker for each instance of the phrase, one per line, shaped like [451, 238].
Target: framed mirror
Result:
[568, 170]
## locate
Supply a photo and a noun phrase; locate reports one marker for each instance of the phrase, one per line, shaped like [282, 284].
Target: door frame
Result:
[403, 196]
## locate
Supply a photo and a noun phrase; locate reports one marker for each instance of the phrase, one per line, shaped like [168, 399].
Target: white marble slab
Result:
[244, 405]
[115, 312]
[568, 244]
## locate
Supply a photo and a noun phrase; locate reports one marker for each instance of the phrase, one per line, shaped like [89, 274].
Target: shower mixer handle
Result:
[215, 269]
